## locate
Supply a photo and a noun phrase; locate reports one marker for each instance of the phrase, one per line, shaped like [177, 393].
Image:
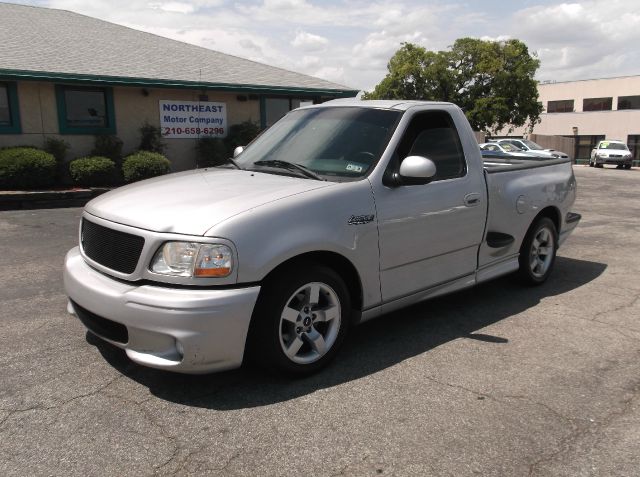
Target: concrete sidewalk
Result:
[48, 199]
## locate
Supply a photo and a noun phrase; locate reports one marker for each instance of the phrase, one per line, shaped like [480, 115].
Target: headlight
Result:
[190, 259]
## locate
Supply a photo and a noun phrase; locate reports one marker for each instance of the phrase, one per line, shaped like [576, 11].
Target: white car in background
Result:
[532, 148]
[611, 152]
[494, 148]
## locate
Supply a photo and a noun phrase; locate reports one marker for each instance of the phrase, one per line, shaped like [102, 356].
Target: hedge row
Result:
[26, 168]
[30, 168]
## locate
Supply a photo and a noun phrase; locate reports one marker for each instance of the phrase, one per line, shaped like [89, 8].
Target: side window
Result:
[433, 135]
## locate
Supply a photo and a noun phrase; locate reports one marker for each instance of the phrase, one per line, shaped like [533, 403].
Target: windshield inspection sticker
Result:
[354, 168]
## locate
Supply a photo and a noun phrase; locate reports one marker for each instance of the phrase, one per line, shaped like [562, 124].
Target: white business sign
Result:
[192, 119]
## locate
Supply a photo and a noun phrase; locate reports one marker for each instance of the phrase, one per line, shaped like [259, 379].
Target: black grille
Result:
[116, 250]
[101, 326]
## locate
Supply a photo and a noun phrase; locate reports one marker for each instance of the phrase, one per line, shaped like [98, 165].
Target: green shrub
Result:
[151, 139]
[26, 168]
[211, 151]
[143, 165]
[109, 147]
[57, 147]
[240, 135]
[93, 171]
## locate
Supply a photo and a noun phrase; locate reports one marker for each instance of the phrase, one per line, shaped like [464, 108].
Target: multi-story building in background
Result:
[589, 111]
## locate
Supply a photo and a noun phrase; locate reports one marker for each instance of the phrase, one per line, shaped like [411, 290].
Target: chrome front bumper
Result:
[178, 329]
[619, 161]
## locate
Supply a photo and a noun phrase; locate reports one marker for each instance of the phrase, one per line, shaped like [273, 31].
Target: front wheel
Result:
[538, 252]
[301, 319]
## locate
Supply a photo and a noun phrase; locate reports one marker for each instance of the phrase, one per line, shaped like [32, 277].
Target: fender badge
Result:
[360, 219]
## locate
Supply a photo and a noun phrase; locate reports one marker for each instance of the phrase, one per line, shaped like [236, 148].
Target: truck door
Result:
[429, 233]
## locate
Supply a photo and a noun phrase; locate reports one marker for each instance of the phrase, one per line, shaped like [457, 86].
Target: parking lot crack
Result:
[226, 465]
[617, 308]
[459, 387]
[39, 407]
[567, 442]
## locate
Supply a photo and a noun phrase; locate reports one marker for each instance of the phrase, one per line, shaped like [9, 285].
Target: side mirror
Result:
[417, 170]
[237, 151]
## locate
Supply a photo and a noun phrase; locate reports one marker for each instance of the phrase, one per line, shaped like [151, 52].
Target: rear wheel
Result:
[301, 319]
[538, 252]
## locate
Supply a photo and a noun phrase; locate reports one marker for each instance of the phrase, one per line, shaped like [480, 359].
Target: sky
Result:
[351, 42]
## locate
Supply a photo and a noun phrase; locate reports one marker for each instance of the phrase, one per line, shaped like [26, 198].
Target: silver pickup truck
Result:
[337, 214]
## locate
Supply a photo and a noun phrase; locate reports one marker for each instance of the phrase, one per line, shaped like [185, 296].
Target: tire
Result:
[301, 319]
[538, 252]
[590, 163]
[599, 165]
[627, 166]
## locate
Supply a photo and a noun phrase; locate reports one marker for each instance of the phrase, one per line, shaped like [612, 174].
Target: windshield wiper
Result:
[291, 166]
[231, 160]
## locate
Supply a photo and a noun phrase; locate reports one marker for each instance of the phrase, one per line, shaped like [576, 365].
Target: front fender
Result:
[313, 221]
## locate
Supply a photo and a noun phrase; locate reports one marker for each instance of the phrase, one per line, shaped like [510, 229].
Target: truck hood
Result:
[194, 201]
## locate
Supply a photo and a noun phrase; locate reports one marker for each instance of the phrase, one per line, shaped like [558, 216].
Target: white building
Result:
[591, 110]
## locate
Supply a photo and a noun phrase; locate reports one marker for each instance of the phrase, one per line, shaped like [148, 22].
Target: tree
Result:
[493, 82]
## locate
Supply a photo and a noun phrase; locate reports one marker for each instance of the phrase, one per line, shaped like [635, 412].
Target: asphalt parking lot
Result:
[497, 380]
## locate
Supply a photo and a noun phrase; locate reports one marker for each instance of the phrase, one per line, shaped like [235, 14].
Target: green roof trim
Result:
[71, 78]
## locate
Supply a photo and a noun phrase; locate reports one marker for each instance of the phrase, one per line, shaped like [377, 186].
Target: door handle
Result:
[471, 200]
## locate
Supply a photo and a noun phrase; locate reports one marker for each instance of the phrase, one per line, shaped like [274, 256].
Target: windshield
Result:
[532, 145]
[339, 144]
[510, 147]
[613, 145]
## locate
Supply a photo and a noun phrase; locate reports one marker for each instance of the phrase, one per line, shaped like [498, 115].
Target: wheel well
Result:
[341, 265]
[552, 213]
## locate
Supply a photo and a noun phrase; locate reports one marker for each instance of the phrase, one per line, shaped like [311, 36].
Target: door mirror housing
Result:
[417, 170]
[237, 151]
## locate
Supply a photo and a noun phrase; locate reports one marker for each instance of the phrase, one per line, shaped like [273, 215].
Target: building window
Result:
[629, 102]
[561, 106]
[275, 108]
[85, 110]
[9, 113]
[597, 104]
[633, 141]
[584, 145]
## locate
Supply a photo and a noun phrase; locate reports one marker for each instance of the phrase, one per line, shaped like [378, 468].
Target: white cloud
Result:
[249, 45]
[177, 7]
[331, 73]
[591, 39]
[308, 41]
[351, 41]
[374, 53]
[309, 61]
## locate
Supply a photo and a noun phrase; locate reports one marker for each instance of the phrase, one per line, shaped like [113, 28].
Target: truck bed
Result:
[502, 164]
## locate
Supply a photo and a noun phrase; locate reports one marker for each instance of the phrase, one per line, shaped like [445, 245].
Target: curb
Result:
[47, 199]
